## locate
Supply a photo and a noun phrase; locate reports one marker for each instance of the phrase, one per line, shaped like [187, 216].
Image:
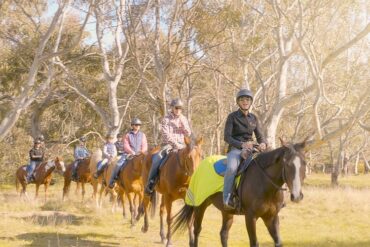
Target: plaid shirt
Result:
[174, 129]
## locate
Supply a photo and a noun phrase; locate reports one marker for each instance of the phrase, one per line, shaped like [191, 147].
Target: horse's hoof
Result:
[169, 244]
[144, 229]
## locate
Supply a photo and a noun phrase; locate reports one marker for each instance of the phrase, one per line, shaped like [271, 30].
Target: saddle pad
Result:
[204, 181]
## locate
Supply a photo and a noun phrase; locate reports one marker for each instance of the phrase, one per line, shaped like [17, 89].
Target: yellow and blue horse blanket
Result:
[205, 181]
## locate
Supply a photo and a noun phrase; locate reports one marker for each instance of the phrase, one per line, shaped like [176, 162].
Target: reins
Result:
[270, 179]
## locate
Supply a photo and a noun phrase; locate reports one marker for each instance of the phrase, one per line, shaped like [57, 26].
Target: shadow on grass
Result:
[55, 239]
[54, 218]
[323, 243]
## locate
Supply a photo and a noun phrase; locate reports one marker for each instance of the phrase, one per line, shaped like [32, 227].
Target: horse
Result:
[131, 183]
[83, 173]
[260, 194]
[173, 181]
[43, 174]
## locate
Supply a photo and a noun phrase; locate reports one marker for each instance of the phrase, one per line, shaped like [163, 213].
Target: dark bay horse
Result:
[83, 173]
[173, 181]
[131, 183]
[260, 194]
[43, 174]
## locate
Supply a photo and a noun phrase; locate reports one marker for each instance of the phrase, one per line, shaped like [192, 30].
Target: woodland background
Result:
[73, 68]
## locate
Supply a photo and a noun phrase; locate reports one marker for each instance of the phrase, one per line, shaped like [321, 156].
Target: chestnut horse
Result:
[173, 181]
[43, 174]
[260, 194]
[83, 173]
[130, 182]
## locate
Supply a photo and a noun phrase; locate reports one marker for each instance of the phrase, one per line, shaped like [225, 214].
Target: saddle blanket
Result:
[204, 181]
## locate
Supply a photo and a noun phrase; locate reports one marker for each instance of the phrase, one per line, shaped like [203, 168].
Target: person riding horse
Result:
[80, 154]
[239, 128]
[134, 143]
[119, 145]
[174, 128]
[36, 157]
[109, 152]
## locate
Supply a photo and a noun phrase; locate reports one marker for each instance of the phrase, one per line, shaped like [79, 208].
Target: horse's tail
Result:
[153, 202]
[182, 218]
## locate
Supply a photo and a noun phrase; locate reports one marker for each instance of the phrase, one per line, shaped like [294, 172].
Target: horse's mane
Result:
[265, 159]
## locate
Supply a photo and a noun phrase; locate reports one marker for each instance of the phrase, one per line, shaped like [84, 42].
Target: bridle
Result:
[270, 179]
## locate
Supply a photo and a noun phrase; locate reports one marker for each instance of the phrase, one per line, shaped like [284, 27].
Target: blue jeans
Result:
[116, 170]
[233, 161]
[31, 168]
[154, 169]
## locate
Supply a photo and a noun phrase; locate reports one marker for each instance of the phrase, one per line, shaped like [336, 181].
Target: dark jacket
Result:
[240, 128]
[36, 154]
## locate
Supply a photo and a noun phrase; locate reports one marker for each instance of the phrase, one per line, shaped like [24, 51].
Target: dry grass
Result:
[326, 217]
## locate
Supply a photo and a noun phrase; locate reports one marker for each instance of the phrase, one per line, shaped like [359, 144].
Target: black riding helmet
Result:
[136, 121]
[82, 139]
[177, 103]
[244, 93]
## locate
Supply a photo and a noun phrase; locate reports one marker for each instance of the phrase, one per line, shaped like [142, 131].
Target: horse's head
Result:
[192, 154]
[59, 165]
[294, 168]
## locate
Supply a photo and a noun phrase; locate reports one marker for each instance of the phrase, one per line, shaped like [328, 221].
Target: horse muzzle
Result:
[296, 198]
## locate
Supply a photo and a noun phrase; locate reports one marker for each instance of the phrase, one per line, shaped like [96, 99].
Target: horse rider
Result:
[80, 154]
[109, 152]
[174, 128]
[36, 157]
[239, 128]
[119, 145]
[134, 143]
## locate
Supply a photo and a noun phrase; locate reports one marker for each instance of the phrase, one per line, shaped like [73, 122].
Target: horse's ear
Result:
[283, 143]
[187, 140]
[200, 141]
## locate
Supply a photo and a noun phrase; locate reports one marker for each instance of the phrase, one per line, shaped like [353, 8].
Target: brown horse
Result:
[131, 183]
[260, 193]
[43, 174]
[173, 181]
[83, 173]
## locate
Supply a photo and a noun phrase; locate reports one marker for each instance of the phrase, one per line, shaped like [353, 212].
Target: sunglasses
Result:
[135, 124]
[178, 107]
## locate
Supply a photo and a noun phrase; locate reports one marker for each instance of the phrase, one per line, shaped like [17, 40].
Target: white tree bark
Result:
[30, 91]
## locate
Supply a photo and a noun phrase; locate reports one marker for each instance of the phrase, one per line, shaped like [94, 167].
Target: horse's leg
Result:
[67, 183]
[129, 197]
[46, 185]
[77, 188]
[227, 221]
[198, 218]
[272, 224]
[168, 202]
[122, 198]
[37, 190]
[139, 211]
[250, 222]
[161, 216]
[114, 200]
[145, 206]
[83, 191]
[100, 200]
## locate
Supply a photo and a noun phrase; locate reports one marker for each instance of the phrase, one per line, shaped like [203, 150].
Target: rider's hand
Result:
[247, 145]
[262, 146]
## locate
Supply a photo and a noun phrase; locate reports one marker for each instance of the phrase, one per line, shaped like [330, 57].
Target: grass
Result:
[326, 217]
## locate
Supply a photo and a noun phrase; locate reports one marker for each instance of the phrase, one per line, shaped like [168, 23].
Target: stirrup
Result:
[149, 188]
[229, 204]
